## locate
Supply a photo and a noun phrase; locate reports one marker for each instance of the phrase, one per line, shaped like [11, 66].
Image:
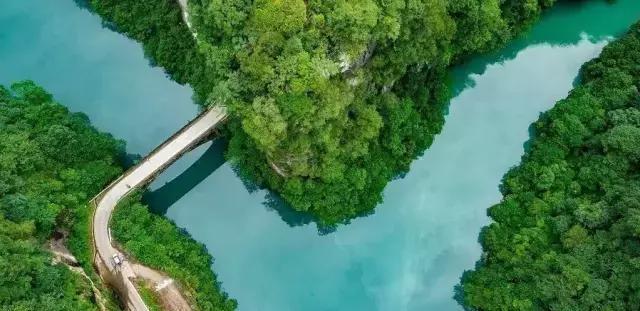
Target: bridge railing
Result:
[96, 199]
[99, 196]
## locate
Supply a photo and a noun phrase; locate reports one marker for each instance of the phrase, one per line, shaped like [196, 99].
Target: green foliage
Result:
[167, 40]
[80, 240]
[149, 297]
[565, 236]
[332, 99]
[28, 279]
[329, 99]
[159, 244]
[51, 163]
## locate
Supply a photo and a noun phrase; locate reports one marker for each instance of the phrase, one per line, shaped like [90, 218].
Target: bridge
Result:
[117, 272]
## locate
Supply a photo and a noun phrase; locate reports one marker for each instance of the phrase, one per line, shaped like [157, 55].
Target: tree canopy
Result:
[159, 244]
[566, 235]
[329, 100]
[28, 280]
[332, 99]
[51, 163]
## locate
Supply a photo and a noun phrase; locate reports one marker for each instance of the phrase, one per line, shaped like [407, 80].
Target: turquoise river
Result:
[410, 254]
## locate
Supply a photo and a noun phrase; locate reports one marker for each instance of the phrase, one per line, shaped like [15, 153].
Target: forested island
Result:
[565, 236]
[52, 162]
[329, 100]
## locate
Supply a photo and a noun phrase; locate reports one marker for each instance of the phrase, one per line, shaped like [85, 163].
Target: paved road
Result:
[141, 174]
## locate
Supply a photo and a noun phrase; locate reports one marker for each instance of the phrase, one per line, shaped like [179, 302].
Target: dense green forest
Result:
[158, 243]
[329, 99]
[51, 163]
[28, 279]
[566, 235]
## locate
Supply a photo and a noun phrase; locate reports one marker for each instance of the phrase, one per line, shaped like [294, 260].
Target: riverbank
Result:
[165, 37]
[97, 71]
[406, 256]
[410, 254]
[386, 129]
[160, 244]
[564, 237]
[51, 160]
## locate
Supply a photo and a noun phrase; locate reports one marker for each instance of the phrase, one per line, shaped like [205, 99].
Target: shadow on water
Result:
[83, 4]
[162, 198]
[128, 160]
[86, 5]
[293, 218]
[274, 203]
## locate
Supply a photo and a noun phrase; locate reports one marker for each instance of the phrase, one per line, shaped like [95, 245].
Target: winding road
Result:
[138, 176]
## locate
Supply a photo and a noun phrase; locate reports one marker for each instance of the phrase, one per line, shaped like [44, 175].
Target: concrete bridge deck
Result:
[120, 275]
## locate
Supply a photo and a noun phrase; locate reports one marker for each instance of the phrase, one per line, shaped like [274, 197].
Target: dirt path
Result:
[164, 286]
[62, 255]
[184, 6]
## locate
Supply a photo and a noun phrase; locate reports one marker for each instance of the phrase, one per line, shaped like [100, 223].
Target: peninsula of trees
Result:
[330, 100]
[566, 236]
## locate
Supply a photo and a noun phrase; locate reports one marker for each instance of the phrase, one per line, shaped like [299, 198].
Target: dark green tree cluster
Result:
[329, 99]
[158, 243]
[566, 235]
[51, 163]
[332, 99]
[28, 279]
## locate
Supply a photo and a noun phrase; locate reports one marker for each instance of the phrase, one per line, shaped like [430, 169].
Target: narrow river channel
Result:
[410, 254]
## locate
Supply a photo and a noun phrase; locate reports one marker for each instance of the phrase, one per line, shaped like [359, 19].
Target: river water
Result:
[409, 254]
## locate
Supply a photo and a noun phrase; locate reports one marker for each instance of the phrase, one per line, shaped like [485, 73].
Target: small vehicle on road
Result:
[116, 259]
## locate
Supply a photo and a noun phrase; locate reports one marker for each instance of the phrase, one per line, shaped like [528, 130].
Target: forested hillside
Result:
[51, 163]
[566, 236]
[28, 280]
[329, 99]
[161, 245]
